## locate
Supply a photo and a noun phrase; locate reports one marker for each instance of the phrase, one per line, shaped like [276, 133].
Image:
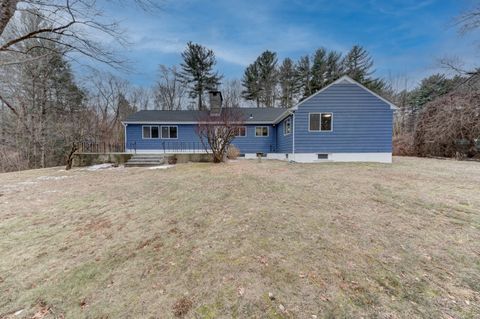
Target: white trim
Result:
[244, 126]
[161, 151]
[352, 81]
[168, 138]
[320, 123]
[344, 157]
[285, 126]
[196, 122]
[151, 138]
[332, 157]
[293, 137]
[268, 131]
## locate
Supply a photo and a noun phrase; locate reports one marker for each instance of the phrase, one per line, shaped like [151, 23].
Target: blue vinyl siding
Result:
[362, 123]
[253, 144]
[284, 142]
[187, 134]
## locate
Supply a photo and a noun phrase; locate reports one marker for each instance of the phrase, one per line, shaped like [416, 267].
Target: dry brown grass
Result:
[331, 240]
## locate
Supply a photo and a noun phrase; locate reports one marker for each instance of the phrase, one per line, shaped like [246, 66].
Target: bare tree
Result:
[169, 92]
[108, 97]
[216, 132]
[232, 93]
[469, 20]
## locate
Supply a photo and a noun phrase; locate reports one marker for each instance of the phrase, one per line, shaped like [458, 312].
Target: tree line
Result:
[45, 107]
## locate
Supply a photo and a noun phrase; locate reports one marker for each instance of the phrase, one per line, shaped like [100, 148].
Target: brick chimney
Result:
[215, 102]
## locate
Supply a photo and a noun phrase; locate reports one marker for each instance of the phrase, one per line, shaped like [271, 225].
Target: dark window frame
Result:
[320, 115]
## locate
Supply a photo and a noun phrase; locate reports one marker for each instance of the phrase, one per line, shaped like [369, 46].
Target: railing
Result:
[94, 147]
[183, 147]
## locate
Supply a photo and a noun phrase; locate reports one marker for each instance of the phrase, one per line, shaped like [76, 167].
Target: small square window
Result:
[320, 122]
[169, 132]
[240, 131]
[261, 131]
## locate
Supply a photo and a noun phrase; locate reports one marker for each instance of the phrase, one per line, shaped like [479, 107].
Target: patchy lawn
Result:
[243, 240]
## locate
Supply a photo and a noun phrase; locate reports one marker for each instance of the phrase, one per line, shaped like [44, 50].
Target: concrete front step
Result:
[140, 164]
[145, 160]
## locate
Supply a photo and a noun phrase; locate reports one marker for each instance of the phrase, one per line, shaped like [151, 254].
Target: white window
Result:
[241, 131]
[320, 122]
[169, 132]
[287, 126]
[261, 131]
[150, 131]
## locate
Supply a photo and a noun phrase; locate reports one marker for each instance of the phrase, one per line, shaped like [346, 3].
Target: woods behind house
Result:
[46, 106]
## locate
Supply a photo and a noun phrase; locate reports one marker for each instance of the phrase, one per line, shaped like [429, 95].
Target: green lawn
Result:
[332, 240]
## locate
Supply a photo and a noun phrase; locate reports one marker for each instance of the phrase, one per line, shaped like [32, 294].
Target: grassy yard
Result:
[213, 241]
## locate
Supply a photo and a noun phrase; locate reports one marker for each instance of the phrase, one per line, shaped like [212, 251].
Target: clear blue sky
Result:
[405, 37]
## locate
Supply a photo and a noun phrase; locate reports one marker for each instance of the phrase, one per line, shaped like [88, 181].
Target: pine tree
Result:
[251, 83]
[304, 76]
[288, 80]
[197, 71]
[267, 71]
[319, 68]
[358, 64]
[334, 68]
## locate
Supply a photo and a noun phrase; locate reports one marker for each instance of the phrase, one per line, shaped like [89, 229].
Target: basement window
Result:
[322, 156]
[150, 131]
[169, 132]
[320, 122]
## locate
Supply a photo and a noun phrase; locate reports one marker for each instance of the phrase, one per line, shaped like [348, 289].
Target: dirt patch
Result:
[182, 306]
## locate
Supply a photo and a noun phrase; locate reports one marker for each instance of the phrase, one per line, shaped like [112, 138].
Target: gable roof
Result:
[251, 116]
[347, 80]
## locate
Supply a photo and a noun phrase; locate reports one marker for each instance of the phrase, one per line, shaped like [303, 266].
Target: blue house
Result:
[343, 122]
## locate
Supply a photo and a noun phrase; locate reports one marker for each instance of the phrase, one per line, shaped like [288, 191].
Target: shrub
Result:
[449, 126]
[403, 145]
[233, 152]
[172, 160]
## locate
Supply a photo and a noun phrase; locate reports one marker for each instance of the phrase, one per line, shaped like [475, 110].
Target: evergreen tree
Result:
[288, 80]
[267, 71]
[319, 68]
[429, 89]
[334, 68]
[197, 71]
[251, 83]
[304, 76]
[358, 64]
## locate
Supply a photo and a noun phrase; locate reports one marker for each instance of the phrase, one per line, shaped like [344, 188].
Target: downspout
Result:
[293, 135]
[125, 137]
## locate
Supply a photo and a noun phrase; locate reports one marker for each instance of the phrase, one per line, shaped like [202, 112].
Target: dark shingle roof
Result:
[252, 115]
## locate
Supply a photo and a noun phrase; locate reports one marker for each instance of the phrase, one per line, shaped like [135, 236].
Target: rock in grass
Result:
[271, 296]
